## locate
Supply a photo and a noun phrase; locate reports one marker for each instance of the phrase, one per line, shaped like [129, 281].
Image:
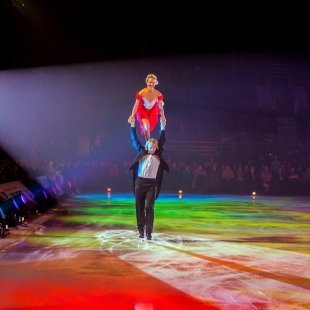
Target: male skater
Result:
[148, 169]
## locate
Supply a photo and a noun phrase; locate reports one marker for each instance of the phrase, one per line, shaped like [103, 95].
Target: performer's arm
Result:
[133, 137]
[162, 110]
[162, 135]
[134, 111]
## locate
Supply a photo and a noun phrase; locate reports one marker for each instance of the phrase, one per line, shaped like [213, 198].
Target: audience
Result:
[209, 175]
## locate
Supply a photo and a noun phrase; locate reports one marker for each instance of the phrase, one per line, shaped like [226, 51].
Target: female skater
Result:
[148, 106]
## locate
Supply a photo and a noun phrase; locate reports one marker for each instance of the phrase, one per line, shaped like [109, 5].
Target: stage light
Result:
[42, 200]
[8, 214]
[18, 3]
[19, 202]
[180, 193]
[4, 227]
[109, 191]
[23, 198]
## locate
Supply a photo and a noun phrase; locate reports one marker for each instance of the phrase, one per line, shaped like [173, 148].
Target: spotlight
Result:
[109, 191]
[19, 203]
[180, 193]
[8, 215]
[4, 227]
[18, 4]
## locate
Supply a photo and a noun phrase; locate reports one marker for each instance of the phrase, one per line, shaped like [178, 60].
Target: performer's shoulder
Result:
[142, 91]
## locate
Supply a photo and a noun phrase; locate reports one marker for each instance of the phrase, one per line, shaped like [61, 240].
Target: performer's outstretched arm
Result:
[134, 111]
[134, 138]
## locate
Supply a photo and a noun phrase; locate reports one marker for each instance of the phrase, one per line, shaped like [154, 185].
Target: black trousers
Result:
[145, 193]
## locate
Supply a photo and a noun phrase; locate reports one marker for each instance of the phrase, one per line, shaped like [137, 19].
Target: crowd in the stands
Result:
[272, 176]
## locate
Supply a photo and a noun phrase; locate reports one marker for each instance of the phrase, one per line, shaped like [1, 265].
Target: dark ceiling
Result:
[48, 32]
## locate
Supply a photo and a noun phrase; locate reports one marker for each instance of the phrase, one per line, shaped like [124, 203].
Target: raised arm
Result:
[134, 111]
[161, 108]
[162, 135]
[133, 137]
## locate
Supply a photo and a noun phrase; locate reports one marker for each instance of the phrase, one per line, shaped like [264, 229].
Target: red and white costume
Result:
[149, 110]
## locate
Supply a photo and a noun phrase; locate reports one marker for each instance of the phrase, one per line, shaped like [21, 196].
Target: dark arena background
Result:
[231, 226]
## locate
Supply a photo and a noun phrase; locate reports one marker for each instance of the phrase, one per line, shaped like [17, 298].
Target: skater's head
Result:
[151, 80]
[151, 145]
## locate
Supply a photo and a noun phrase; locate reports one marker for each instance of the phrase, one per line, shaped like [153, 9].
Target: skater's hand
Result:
[131, 121]
[163, 123]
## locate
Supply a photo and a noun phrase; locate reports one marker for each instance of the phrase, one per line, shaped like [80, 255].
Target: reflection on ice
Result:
[224, 272]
